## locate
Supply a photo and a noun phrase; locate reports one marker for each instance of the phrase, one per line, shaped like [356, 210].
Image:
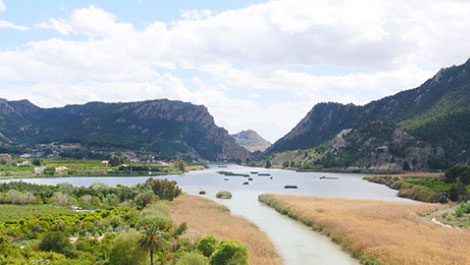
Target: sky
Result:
[258, 65]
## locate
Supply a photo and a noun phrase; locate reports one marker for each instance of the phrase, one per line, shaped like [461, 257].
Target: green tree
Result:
[181, 165]
[57, 242]
[230, 253]
[292, 164]
[116, 161]
[268, 163]
[406, 165]
[207, 245]
[152, 234]
[36, 162]
[457, 172]
[144, 198]
[285, 164]
[126, 250]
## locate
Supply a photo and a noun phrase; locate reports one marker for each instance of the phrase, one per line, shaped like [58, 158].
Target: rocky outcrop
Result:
[379, 146]
[251, 141]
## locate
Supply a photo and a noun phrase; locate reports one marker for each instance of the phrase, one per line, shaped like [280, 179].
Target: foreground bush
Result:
[126, 250]
[193, 259]
[223, 195]
[230, 253]
[57, 242]
[207, 245]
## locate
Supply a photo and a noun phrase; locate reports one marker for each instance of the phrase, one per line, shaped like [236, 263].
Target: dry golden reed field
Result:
[393, 232]
[206, 217]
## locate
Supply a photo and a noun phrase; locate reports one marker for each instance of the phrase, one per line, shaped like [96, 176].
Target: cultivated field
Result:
[207, 217]
[393, 232]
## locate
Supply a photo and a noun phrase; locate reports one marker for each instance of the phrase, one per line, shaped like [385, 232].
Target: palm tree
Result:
[151, 239]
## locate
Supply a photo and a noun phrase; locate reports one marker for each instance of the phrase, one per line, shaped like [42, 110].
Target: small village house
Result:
[39, 170]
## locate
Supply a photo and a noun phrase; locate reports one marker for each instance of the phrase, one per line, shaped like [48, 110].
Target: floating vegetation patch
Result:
[290, 187]
[232, 174]
[223, 195]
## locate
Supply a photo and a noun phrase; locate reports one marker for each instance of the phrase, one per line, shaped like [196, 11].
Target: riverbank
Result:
[379, 232]
[49, 168]
[207, 217]
[425, 187]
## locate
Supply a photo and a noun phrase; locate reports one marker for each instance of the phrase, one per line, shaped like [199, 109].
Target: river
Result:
[296, 243]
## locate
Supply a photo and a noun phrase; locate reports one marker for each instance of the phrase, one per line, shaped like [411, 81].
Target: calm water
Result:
[296, 243]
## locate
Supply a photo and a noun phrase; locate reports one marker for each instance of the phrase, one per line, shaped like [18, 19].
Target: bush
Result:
[116, 161]
[192, 259]
[165, 189]
[223, 195]
[60, 198]
[144, 198]
[457, 191]
[126, 250]
[457, 172]
[230, 252]
[57, 242]
[207, 245]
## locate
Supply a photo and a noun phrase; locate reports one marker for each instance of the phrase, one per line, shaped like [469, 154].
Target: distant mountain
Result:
[437, 113]
[170, 129]
[251, 141]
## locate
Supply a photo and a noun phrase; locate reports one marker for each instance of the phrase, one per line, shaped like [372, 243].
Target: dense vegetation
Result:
[125, 225]
[454, 187]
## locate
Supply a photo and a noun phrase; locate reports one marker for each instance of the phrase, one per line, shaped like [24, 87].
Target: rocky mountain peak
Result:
[251, 140]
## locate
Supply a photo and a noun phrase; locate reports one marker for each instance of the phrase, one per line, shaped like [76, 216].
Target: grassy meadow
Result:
[207, 217]
[380, 232]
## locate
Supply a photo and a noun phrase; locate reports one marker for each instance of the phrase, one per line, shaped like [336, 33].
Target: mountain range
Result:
[425, 127]
[170, 129]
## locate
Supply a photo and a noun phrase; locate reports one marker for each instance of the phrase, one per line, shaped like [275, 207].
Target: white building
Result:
[39, 170]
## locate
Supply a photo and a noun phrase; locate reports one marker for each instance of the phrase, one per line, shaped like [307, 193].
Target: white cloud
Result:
[256, 67]
[10, 25]
[3, 7]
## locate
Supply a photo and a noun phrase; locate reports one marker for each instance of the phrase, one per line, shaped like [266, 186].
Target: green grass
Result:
[12, 212]
[433, 184]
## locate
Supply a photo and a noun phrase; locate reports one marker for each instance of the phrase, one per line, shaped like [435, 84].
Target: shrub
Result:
[230, 252]
[126, 250]
[165, 189]
[207, 245]
[116, 161]
[223, 195]
[461, 172]
[57, 242]
[60, 198]
[192, 259]
[144, 198]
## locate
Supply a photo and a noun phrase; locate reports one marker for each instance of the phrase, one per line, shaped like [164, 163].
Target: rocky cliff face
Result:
[379, 146]
[169, 128]
[251, 141]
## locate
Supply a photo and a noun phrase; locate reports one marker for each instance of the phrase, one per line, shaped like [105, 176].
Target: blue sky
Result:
[258, 65]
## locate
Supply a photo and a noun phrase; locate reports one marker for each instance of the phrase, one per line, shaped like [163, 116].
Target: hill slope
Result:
[437, 113]
[168, 128]
[251, 141]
